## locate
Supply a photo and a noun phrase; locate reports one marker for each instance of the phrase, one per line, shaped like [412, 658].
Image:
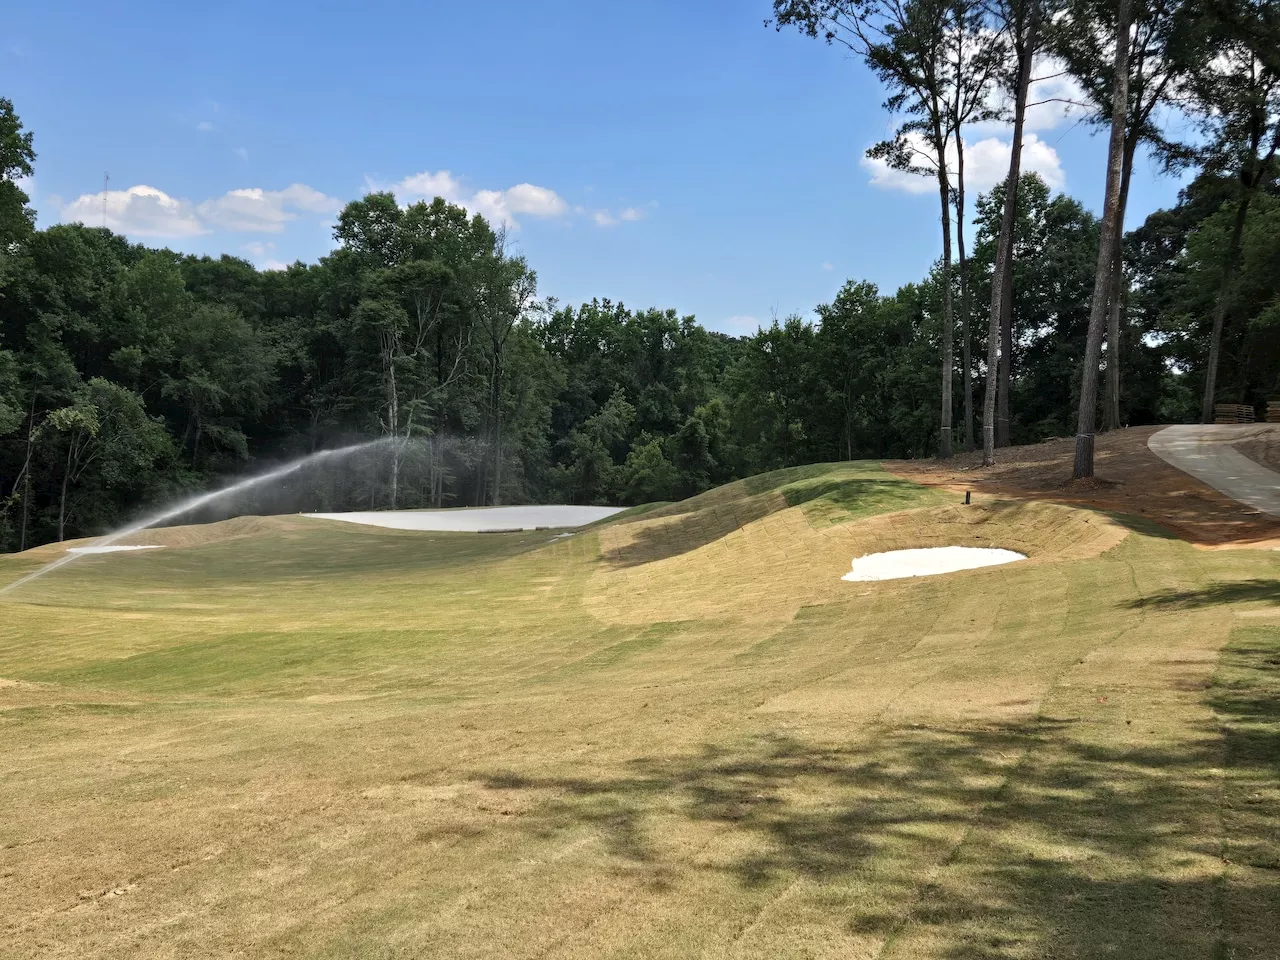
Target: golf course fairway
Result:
[677, 733]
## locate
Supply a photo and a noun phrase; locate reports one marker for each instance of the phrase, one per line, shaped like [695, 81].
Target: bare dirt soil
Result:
[1129, 479]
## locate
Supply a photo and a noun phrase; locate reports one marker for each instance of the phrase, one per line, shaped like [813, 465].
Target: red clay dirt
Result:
[1128, 479]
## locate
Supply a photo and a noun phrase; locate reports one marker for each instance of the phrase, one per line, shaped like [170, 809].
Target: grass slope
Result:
[674, 735]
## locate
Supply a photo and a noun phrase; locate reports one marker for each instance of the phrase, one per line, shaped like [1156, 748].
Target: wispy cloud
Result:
[504, 207]
[607, 218]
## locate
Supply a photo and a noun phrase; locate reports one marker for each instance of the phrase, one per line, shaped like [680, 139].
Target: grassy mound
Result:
[648, 740]
[765, 547]
[828, 493]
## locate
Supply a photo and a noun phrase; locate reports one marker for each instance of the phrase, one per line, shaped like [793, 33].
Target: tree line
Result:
[948, 64]
[130, 375]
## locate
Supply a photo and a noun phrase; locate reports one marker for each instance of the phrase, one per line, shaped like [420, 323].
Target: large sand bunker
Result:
[115, 548]
[927, 561]
[478, 519]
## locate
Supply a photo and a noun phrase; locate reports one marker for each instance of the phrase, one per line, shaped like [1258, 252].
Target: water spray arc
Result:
[198, 501]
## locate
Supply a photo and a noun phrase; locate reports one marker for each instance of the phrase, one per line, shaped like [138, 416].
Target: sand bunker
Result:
[927, 561]
[478, 519]
[111, 549]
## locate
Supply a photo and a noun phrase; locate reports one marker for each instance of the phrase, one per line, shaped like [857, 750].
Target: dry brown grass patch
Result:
[771, 567]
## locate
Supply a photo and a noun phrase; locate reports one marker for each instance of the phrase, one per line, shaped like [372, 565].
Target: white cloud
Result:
[535, 201]
[242, 153]
[140, 211]
[275, 265]
[492, 205]
[1055, 98]
[308, 199]
[500, 207]
[427, 186]
[828, 265]
[264, 211]
[204, 126]
[258, 249]
[606, 218]
[144, 211]
[986, 164]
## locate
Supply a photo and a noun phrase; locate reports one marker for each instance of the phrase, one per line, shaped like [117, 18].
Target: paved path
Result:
[479, 519]
[1205, 451]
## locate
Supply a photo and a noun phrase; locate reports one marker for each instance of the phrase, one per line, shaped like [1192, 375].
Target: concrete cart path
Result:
[1205, 451]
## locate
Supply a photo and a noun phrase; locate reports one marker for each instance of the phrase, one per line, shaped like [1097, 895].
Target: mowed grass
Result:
[675, 735]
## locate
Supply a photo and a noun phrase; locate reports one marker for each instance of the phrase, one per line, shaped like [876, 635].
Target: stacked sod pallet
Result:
[1233, 413]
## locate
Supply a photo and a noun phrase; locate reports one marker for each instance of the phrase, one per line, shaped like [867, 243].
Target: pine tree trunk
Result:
[1005, 396]
[493, 482]
[195, 444]
[966, 347]
[1001, 288]
[948, 310]
[62, 500]
[26, 474]
[1220, 307]
[1111, 406]
[1111, 409]
[1083, 466]
[393, 425]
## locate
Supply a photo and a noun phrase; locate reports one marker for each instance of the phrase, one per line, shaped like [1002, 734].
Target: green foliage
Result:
[647, 474]
[128, 374]
[17, 154]
[1181, 253]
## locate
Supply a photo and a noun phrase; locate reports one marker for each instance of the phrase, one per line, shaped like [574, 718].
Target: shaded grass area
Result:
[349, 743]
[830, 493]
[1246, 697]
[1240, 591]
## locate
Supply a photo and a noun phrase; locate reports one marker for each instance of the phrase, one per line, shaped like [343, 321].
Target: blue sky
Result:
[668, 154]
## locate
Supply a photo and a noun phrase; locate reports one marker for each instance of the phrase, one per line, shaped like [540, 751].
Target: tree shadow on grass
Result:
[687, 531]
[1050, 838]
[1240, 591]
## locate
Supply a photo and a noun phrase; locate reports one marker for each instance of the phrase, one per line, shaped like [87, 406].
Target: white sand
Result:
[478, 519]
[114, 549]
[927, 561]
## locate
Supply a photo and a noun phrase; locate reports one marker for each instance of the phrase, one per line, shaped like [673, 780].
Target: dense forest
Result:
[130, 375]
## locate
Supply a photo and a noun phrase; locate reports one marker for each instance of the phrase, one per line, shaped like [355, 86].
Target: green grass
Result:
[674, 735]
